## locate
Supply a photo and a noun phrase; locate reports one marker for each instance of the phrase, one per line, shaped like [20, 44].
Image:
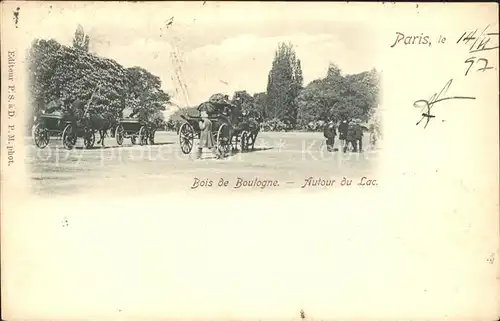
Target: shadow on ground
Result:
[120, 146]
[258, 149]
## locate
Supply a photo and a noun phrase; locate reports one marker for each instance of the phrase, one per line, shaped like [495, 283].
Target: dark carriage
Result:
[139, 131]
[64, 120]
[64, 126]
[219, 112]
[190, 129]
[231, 128]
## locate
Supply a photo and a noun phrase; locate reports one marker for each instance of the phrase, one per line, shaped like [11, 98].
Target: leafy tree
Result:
[299, 78]
[86, 43]
[144, 94]
[338, 97]
[260, 101]
[57, 72]
[243, 100]
[81, 40]
[284, 84]
[60, 72]
[318, 101]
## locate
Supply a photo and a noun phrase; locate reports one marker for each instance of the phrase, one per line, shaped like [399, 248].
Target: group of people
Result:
[350, 135]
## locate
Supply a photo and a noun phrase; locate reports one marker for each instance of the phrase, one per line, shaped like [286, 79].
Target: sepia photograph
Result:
[249, 161]
[275, 105]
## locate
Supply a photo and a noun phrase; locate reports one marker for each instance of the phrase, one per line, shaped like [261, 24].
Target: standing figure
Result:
[358, 137]
[206, 138]
[373, 136]
[351, 138]
[330, 133]
[343, 130]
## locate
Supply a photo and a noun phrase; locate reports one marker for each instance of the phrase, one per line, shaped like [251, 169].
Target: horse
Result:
[101, 122]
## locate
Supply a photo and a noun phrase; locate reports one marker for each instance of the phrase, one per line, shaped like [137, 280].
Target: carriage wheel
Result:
[40, 136]
[89, 138]
[143, 136]
[224, 139]
[119, 134]
[133, 140]
[69, 137]
[186, 138]
[244, 140]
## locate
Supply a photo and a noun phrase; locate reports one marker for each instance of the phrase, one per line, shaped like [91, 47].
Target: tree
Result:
[318, 101]
[338, 97]
[86, 43]
[334, 72]
[145, 96]
[284, 84]
[57, 72]
[81, 40]
[299, 78]
[244, 101]
[260, 102]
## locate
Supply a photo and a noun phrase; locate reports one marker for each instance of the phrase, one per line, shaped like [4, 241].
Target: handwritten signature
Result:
[427, 105]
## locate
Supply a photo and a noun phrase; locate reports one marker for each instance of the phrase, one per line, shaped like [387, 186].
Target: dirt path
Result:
[288, 158]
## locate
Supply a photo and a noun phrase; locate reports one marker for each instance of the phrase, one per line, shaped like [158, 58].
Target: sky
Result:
[219, 47]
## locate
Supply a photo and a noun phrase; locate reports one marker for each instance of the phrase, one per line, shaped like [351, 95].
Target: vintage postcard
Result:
[249, 161]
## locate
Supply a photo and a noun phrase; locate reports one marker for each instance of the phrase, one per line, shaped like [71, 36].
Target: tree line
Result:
[58, 73]
[66, 73]
[289, 105]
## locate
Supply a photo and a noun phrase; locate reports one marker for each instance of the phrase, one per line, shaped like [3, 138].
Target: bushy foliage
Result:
[338, 97]
[313, 126]
[334, 97]
[252, 106]
[172, 125]
[144, 95]
[81, 40]
[61, 73]
[274, 125]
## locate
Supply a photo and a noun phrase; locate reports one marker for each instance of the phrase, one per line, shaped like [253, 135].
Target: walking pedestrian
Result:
[351, 138]
[343, 130]
[358, 137]
[330, 133]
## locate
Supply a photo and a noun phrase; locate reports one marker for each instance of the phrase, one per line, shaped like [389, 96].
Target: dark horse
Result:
[100, 122]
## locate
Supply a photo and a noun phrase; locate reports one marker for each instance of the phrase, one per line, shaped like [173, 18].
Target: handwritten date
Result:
[474, 60]
[479, 42]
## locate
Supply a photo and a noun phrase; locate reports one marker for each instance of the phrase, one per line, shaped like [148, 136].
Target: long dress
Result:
[206, 138]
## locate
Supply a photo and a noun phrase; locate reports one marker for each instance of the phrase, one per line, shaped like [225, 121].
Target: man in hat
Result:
[330, 133]
[351, 137]
[206, 138]
[343, 130]
[358, 136]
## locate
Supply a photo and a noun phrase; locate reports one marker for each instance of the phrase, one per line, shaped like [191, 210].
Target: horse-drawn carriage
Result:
[64, 126]
[246, 131]
[190, 130]
[71, 121]
[139, 131]
[231, 128]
